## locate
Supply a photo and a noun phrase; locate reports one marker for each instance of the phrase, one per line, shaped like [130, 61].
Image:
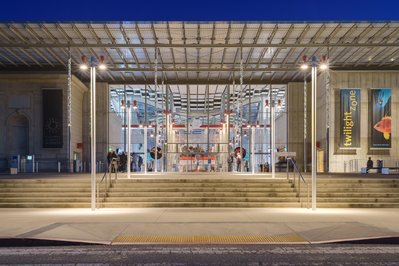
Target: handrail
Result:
[111, 166]
[289, 159]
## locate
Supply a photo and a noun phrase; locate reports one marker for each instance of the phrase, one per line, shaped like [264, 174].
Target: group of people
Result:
[118, 161]
[236, 160]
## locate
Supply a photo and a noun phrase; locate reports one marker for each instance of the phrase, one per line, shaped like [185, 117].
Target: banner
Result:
[350, 118]
[381, 118]
[52, 118]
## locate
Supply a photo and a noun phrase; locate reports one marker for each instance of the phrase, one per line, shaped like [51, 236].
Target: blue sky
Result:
[203, 10]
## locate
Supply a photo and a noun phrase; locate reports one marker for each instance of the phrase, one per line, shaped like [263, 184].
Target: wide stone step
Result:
[200, 205]
[355, 181]
[199, 194]
[357, 205]
[356, 195]
[175, 184]
[119, 189]
[201, 199]
[44, 205]
[45, 200]
[44, 194]
[37, 190]
[354, 190]
[358, 185]
[199, 180]
[356, 200]
[46, 185]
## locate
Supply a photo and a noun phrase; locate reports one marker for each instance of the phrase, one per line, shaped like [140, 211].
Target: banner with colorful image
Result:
[380, 118]
[350, 118]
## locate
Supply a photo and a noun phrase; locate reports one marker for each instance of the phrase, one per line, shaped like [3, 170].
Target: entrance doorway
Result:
[196, 128]
[17, 135]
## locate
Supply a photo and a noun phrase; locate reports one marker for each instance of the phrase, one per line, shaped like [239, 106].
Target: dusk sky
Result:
[203, 10]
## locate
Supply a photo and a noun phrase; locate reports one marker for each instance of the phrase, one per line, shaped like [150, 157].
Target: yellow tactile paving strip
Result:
[208, 239]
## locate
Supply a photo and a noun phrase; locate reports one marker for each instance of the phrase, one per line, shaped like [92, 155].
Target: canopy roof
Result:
[190, 55]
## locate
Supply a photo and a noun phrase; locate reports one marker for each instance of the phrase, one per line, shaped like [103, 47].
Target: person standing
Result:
[238, 163]
[369, 164]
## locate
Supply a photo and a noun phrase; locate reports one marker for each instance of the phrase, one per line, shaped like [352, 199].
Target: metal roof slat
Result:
[8, 59]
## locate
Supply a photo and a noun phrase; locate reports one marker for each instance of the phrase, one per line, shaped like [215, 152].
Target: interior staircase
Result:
[201, 191]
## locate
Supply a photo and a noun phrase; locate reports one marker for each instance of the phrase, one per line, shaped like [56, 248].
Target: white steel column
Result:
[272, 133]
[253, 149]
[145, 130]
[314, 98]
[93, 135]
[145, 149]
[156, 111]
[241, 112]
[69, 111]
[305, 133]
[129, 134]
[162, 127]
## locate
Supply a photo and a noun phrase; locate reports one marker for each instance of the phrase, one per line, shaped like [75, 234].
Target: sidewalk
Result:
[209, 226]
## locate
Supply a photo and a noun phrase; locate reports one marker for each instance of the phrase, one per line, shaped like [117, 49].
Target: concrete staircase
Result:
[357, 193]
[45, 193]
[198, 192]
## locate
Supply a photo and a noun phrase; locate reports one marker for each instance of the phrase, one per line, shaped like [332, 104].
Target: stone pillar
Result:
[295, 122]
[102, 108]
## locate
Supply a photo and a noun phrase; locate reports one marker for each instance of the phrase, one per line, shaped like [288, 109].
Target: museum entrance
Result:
[196, 128]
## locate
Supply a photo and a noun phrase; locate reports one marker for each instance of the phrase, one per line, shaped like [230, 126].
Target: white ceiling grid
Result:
[198, 51]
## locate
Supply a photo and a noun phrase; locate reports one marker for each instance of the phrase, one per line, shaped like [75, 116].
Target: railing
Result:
[300, 178]
[107, 181]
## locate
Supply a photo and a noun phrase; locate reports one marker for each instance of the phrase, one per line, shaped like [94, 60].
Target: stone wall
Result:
[341, 160]
[21, 97]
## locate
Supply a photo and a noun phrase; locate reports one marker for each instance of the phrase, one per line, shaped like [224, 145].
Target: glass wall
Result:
[196, 128]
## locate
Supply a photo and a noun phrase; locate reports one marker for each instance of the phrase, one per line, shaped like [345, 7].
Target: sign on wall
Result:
[380, 118]
[52, 118]
[350, 118]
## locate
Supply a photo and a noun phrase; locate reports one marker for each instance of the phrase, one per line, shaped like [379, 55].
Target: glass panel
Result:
[196, 128]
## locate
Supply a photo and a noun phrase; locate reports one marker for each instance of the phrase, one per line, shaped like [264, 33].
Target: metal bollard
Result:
[37, 167]
[59, 167]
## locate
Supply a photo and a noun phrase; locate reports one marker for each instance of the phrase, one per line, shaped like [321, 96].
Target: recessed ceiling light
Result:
[392, 59]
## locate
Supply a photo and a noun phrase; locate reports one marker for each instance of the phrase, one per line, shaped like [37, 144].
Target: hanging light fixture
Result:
[323, 63]
[101, 62]
[122, 104]
[304, 64]
[267, 103]
[134, 105]
[84, 65]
